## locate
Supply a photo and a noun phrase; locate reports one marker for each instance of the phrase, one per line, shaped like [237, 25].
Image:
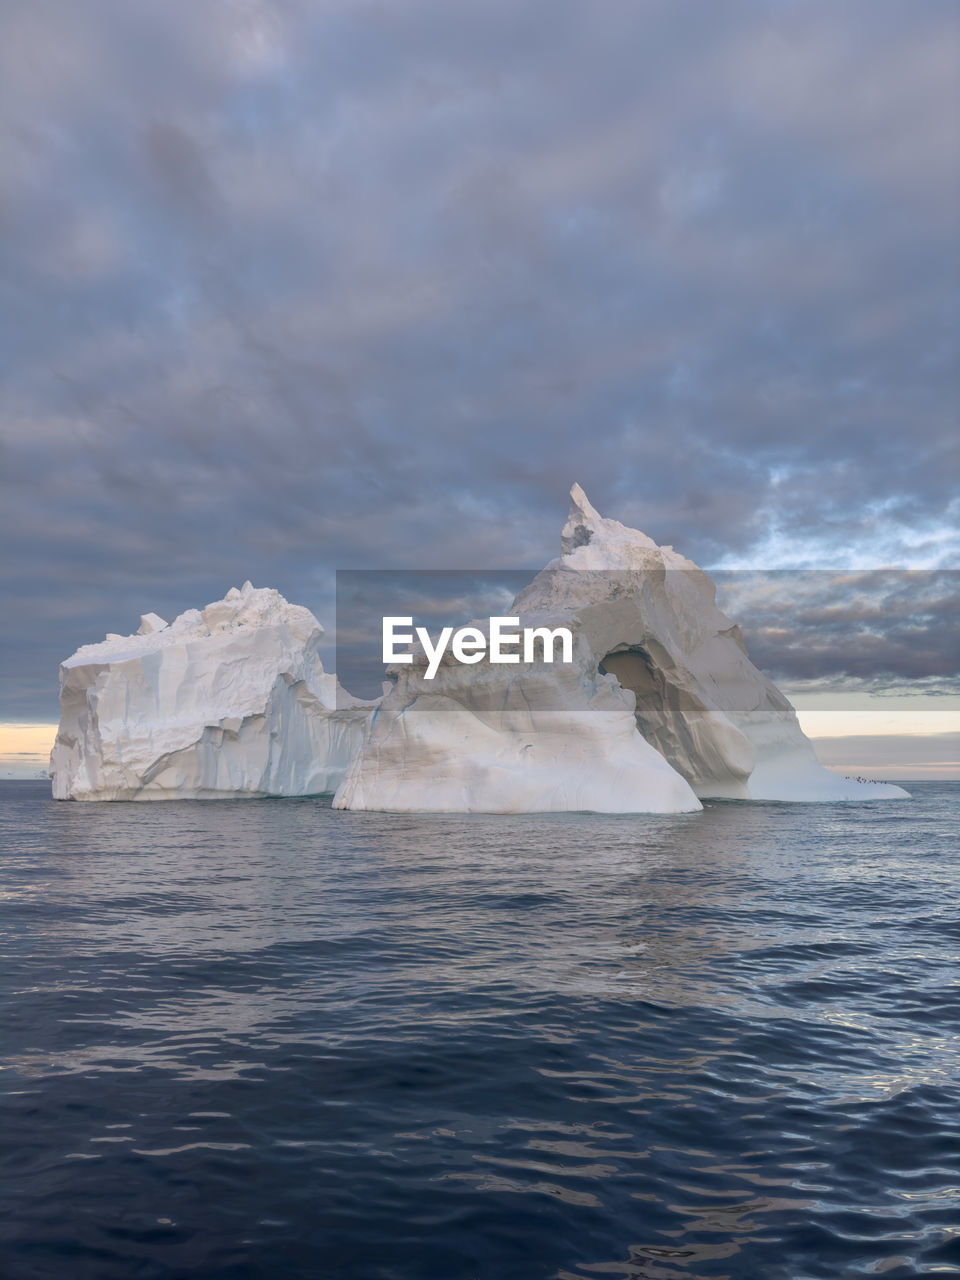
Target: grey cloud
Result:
[289, 286]
[878, 628]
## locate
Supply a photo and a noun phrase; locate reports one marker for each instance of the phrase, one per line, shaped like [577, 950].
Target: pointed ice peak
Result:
[581, 522]
[247, 588]
[593, 541]
[581, 504]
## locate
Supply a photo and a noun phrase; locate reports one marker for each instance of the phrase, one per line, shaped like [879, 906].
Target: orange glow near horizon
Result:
[30, 739]
[25, 748]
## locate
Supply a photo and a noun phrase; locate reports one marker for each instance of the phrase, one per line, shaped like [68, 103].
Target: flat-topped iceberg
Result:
[228, 701]
[660, 705]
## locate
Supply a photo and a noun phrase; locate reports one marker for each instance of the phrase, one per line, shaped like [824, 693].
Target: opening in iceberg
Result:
[703, 746]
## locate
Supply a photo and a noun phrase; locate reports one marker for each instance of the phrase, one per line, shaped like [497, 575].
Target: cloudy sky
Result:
[296, 285]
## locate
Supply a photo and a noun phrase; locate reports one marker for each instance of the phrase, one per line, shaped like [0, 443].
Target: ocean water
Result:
[265, 1039]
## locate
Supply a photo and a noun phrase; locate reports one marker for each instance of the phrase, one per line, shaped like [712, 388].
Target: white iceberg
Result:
[660, 706]
[230, 701]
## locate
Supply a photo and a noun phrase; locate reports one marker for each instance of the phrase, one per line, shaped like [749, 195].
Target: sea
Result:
[250, 1040]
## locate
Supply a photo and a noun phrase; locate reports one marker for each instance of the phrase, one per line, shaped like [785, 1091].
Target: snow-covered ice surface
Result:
[228, 701]
[660, 705]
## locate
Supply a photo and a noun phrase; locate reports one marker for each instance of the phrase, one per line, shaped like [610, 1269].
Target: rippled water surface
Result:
[266, 1039]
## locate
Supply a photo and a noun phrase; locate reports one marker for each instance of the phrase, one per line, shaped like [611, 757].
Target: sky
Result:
[288, 286]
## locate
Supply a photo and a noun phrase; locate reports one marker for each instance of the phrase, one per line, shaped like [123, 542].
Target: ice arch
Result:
[706, 749]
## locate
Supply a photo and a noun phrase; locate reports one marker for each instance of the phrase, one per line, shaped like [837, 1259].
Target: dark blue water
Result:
[265, 1039]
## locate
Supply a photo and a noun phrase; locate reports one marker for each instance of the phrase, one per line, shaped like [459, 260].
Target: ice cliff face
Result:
[228, 701]
[661, 704]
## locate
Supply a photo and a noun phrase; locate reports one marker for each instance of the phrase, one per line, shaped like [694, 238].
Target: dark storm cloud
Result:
[291, 286]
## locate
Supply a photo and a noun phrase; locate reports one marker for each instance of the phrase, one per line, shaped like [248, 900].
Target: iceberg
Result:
[225, 702]
[654, 707]
[660, 708]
